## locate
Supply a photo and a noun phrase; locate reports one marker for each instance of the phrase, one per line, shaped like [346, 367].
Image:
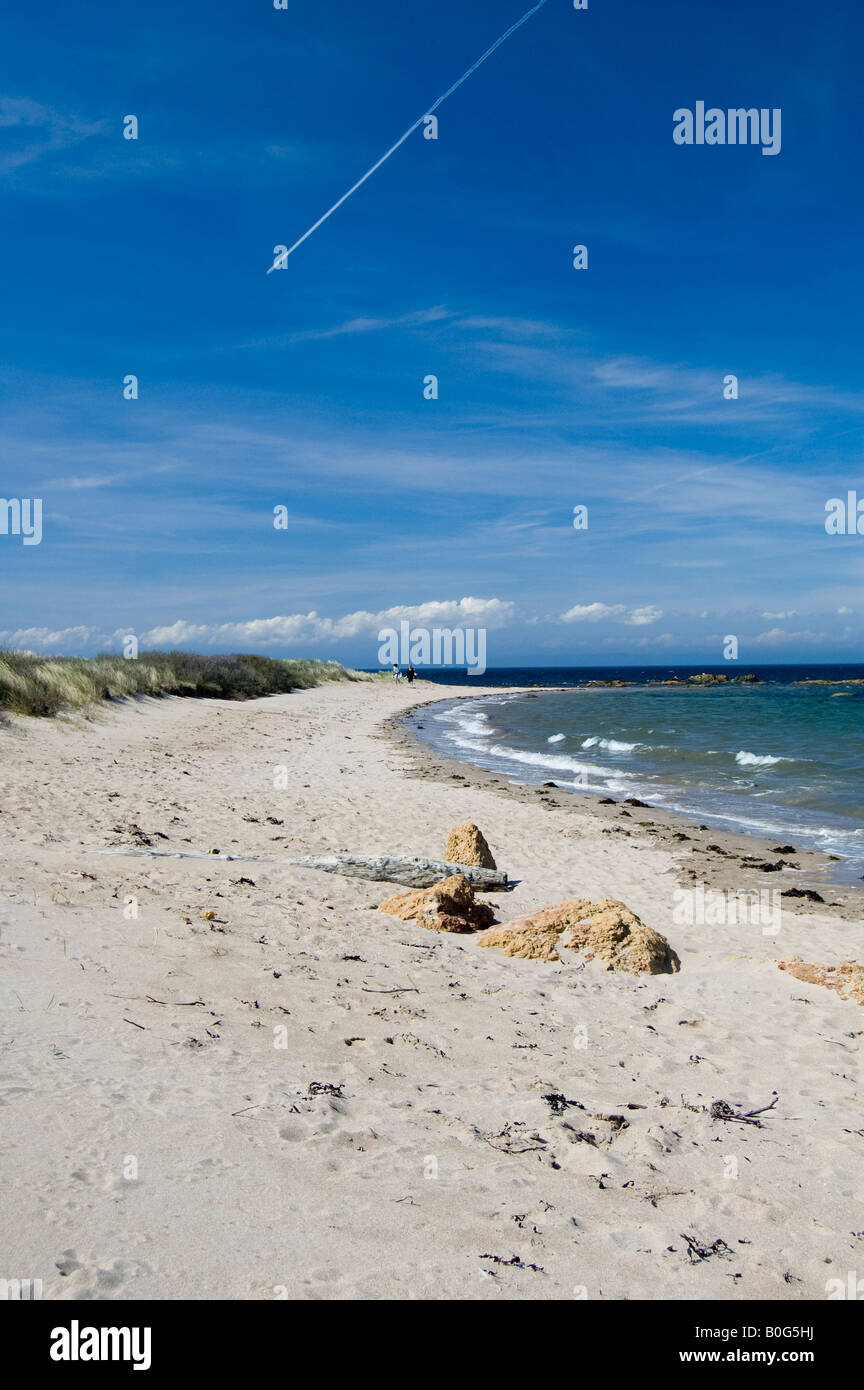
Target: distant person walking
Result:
[410, 673]
[397, 674]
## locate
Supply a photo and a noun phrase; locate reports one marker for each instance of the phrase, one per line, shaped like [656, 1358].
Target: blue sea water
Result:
[775, 759]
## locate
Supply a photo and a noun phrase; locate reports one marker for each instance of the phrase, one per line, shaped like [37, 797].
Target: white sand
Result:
[248, 1188]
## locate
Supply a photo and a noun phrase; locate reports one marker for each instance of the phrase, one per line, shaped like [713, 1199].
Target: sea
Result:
[774, 758]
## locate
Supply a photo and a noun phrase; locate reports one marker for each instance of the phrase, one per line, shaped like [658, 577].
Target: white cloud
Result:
[597, 612]
[285, 630]
[639, 617]
[590, 612]
[44, 638]
[299, 627]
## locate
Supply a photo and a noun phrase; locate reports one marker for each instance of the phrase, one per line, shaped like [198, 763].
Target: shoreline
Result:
[667, 829]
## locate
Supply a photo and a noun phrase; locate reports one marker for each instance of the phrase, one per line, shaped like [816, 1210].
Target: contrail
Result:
[401, 141]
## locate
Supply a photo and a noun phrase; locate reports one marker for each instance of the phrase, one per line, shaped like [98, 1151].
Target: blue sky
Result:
[557, 387]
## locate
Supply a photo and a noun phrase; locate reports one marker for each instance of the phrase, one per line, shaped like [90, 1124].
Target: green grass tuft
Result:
[45, 686]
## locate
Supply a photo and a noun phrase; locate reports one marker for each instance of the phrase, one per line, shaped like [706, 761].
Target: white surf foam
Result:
[612, 745]
[744, 759]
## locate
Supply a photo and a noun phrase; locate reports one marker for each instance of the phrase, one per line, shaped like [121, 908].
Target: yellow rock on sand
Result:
[523, 938]
[446, 906]
[536, 937]
[617, 939]
[606, 931]
[466, 844]
[846, 979]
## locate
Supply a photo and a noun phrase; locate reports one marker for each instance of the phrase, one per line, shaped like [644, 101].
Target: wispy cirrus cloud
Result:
[418, 318]
[85, 483]
[504, 327]
[651, 390]
[29, 131]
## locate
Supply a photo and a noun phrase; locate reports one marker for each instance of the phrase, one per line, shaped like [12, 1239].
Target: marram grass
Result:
[41, 686]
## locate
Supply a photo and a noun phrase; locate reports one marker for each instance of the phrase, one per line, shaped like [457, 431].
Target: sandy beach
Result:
[234, 1078]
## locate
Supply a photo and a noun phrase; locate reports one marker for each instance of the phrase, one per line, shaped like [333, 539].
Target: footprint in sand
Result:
[92, 1280]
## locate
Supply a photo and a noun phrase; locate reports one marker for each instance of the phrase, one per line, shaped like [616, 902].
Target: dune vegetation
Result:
[39, 685]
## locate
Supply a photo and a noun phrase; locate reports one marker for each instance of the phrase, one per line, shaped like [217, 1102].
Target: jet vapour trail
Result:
[401, 141]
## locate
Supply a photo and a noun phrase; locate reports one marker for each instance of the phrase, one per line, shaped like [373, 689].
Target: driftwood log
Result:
[410, 870]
